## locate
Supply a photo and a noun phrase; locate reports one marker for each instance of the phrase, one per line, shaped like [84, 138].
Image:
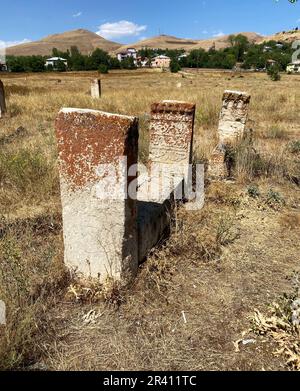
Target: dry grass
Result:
[282, 324]
[31, 276]
[216, 265]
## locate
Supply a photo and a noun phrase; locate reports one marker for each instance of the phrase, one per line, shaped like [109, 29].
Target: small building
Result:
[293, 67]
[53, 61]
[270, 63]
[184, 55]
[128, 53]
[267, 49]
[161, 62]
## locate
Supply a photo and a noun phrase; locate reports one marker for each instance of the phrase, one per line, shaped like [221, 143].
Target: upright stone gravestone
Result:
[2, 313]
[2, 100]
[170, 155]
[96, 89]
[232, 123]
[171, 132]
[233, 117]
[170, 144]
[99, 219]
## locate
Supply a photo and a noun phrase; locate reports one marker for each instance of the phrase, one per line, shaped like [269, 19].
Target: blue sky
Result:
[129, 21]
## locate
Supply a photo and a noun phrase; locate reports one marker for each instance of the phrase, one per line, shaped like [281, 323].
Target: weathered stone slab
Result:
[2, 313]
[232, 123]
[170, 147]
[171, 132]
[154, 220]
[99, 220]
[217, 166]
[2, 100]
[233, 117]
[170, 153]
[96, 89]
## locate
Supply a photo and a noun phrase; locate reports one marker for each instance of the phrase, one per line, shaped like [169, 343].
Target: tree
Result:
[114, 63]
[49, 68]
[77, 60]
[61, 66]
[198, 58]
[175, 66]
[99, 56]
[240, 43]
[103, 68]
[273, 72]
[128, 63]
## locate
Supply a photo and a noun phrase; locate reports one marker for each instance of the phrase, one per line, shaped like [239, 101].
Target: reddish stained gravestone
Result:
[99, 220]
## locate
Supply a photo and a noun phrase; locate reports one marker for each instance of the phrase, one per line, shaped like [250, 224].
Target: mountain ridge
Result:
[87, 41]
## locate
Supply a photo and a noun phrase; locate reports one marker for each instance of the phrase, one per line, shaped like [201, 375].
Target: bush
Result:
[294, 147]
[273, 73]
[253, 191]
[273, 198]
[61, 66]
[174, 66]
[103, 69]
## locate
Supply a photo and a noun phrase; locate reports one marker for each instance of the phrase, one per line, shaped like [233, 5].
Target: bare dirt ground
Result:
[196, 295]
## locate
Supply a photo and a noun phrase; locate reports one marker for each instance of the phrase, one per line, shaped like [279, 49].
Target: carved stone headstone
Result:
[232, 123]
[233, 117]
[171, 138]
[170, 155]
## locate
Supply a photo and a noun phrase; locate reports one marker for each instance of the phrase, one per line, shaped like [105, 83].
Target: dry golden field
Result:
[223, 266]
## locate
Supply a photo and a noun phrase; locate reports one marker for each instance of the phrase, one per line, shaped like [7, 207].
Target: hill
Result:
[223, 42]
[170, 42]
[162, 42]
[85, 40]
[284, 36]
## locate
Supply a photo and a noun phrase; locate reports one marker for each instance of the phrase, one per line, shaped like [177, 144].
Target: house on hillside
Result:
[161, 61]
[279, 45]
[267, 49]
[54, 61]
[128, 53]
[293, 67]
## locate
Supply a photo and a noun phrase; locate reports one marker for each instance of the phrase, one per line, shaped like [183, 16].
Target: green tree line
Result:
[240, 50]
[76, 61]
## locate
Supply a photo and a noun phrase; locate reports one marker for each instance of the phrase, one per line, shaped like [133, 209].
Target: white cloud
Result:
[218, 34]
[204, 32]
[120, 29]
[7, 44]
[77, 14]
